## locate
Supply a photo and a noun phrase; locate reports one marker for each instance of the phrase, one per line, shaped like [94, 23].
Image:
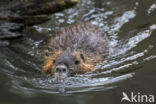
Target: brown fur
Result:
[83, 41]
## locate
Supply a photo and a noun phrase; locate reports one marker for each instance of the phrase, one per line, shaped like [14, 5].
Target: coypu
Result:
[76, 49]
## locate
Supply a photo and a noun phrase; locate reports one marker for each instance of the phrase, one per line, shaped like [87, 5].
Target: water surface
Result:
[130, 67]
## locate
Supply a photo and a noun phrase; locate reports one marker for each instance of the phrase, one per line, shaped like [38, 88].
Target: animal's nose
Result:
[61, 69]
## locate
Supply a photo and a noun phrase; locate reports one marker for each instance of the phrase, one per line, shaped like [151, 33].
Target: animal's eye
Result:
[53, 61]
[77, 62]
[82, 57]
[47, 54]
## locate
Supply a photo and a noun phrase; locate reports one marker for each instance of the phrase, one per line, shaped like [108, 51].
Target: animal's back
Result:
[82, 36]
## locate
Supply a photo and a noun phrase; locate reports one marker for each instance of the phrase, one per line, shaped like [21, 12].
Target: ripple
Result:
[22, 61]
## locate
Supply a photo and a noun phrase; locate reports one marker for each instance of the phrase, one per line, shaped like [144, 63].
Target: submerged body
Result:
[76, 49]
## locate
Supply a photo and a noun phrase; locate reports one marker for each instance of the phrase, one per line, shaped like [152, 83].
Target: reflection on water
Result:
[130, 27]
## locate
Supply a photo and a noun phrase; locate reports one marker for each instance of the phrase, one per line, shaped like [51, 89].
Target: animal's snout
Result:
[61, 69]
[61, 72]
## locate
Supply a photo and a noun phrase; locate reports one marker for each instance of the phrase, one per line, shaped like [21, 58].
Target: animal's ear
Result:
[47, 65]
[82, 57]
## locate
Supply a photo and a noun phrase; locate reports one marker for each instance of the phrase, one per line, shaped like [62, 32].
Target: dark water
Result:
[131, 67]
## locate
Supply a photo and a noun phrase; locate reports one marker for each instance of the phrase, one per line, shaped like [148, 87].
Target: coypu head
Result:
[68, 63]
[75, 49]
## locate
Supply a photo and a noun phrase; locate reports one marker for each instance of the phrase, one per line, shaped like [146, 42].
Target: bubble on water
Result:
[151, 9]
[136, 3]
[153, 27]
[61, 20]
[59, 15]
[41, 29]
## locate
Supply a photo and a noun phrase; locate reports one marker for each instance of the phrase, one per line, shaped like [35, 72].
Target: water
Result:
[130, 27]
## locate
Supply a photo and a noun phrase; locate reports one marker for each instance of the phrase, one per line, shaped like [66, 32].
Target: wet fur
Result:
[84, 41]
